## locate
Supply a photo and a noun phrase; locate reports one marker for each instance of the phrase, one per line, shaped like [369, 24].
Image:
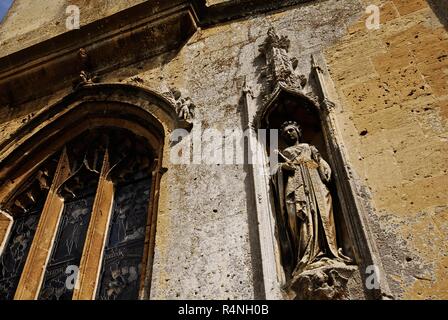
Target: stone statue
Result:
[185, 107]
[305, 205]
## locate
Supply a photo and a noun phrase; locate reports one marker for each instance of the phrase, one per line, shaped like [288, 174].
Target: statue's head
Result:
[291, 132]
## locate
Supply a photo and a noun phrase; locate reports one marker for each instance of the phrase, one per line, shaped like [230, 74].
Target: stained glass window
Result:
[128, 167]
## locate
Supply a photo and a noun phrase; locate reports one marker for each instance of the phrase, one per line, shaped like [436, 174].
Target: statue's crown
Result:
[290, 123]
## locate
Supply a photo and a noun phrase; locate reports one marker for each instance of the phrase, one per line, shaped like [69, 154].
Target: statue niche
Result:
[316, 252]
[313, 234]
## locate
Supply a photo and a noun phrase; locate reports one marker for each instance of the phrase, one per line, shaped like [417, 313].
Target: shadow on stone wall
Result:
[440, 8]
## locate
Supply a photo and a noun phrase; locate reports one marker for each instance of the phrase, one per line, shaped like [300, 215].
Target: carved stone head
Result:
[291, 132]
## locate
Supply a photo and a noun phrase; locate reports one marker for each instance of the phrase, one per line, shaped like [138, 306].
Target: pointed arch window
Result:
[87, 210]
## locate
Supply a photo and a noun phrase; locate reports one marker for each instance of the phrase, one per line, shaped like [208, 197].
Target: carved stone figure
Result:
[306, 209]
[184, 106]
[86, 76]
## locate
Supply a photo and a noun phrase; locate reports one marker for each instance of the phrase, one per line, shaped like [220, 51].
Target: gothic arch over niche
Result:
[36, 155]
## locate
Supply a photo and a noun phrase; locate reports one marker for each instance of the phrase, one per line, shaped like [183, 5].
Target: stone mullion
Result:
[6, 223]
[272, 270]
[41, 248]
[145, 281]
[92, 257]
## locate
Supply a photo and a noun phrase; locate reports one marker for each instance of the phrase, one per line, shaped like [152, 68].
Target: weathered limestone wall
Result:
[393, 85]
[30, 22]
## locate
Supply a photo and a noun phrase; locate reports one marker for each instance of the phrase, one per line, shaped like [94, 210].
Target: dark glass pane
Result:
[26, 207]
[68, 248]
[122, 264]
[16, 251]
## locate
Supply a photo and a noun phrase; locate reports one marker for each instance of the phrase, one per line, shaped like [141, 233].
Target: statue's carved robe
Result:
[306, 209]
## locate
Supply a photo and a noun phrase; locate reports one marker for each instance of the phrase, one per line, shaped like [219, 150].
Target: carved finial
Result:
[328, 104]
[247, 90]
[275, 41]
[281, 69]
[314, 64]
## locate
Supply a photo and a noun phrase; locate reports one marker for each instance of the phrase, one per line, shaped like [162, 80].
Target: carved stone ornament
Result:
[185, 107]
[247, 90]
[324, 283]
[280, 69]
[86, 76]
[326, 104]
